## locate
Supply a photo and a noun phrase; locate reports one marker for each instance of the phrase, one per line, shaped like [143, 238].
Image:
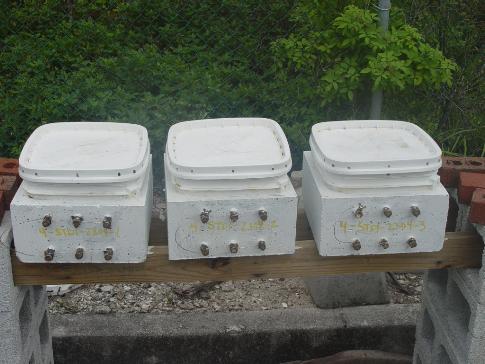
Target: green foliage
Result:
[157, 62]
[353, 51]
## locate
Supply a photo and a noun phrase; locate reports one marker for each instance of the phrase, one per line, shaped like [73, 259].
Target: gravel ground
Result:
[258, 294]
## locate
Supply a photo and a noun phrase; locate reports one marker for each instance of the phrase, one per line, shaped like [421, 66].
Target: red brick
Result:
[477, 207]
[9, 167]
[452, 166]
[9, 185]
[2, 205]
[469, 182]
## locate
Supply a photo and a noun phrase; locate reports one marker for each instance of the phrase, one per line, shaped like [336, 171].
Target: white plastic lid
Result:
[364, 147]
[85, 152]
[229, 148]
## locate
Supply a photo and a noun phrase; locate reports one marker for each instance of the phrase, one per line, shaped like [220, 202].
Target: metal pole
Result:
[376, 101]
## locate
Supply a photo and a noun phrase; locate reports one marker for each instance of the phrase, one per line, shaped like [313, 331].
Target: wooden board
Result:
[460, 250]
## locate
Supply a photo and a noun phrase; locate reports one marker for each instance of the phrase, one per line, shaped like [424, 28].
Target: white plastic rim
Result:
[85, 152]
[125, 188]
[227, 148]
[374, 147]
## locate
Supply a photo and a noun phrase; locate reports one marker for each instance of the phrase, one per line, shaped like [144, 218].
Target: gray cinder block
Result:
[349, 290]
[24, 325]
[451, 328]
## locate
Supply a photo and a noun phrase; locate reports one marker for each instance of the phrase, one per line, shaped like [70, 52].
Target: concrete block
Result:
[453, 318]
[349, 290]
[451, 167]
[24, 326]
[3, 205]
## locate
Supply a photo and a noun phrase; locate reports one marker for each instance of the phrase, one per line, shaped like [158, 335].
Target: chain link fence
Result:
[156, 63]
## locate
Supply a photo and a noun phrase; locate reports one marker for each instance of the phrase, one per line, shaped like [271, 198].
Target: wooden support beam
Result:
[461, 250]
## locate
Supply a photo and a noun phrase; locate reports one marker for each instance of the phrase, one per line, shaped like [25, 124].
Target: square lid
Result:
[85, 152]
[359, 147]
[228, 148]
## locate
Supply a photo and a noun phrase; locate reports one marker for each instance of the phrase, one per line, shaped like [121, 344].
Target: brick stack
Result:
[451, 328]
[9, 183]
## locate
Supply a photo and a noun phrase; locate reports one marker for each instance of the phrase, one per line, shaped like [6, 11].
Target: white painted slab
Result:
[93, 172]
[128, 235]
[236, 165]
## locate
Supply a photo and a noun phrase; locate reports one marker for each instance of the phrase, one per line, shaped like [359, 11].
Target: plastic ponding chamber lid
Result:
[370, 147]
[85, 152]
[229, 148]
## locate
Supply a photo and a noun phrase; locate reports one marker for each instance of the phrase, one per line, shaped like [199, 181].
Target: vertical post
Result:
[376, 102]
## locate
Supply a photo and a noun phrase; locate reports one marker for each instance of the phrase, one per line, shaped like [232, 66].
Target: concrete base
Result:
[349, 290]
[273, 336]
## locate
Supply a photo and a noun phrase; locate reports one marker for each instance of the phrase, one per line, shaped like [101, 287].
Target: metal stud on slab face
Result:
[204, 249]
[46, 221]
[415, 210]
[79, 253]
[356, 244]
[108, 254]
[384, 243]
[233, 215]
[263, 214]
[76, 220]
[387, 211]
[49, 254]
[262, 245]
[412, 242]
[233, 247]
[107, 220]
[204, 216]
[359, 211]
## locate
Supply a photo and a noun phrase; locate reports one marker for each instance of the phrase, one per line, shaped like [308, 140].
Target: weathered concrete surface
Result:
[232, 337]
[349, 290]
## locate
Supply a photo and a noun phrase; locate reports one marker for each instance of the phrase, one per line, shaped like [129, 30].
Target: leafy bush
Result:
[159, 62]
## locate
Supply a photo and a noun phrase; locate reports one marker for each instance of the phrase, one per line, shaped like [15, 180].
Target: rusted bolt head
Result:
[387, 211]
[233, 215]
[233, 248]
[107, 222]
[263, 214]
[262, 245]
[356, 244]
[412, 242]
[415, 210]
[47, 220]
[384, 243]
[359, 211]
[204, 216]
[204, 249]
[49, 254]
[76, 220]
[108, 253]
[79, 253]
